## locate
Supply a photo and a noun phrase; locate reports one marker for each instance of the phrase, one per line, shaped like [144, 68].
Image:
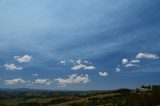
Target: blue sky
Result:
[79, 45]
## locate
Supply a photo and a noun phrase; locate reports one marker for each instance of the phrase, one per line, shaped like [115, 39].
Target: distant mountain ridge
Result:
[44, 90]
[21, 89]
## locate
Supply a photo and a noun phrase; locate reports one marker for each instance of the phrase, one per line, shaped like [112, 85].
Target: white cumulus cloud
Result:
[12, 67]
[103, 74]
[117, 69]
[23, 59]
[78, 61]
[135, 61]
[85, 61]
[127, 63]
[63, 62]
[146, 56]
[82, 66]
[131, 65]
[15, 81]
[73, 79]
[124, 61]
[89, 67]
[43, 81]
[78, 66]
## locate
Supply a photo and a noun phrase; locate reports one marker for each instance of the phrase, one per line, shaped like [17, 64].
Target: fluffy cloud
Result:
[86, 62]
[15, 81]
[131, 65]
[124, 61]
[117, 69]
[146, 56]
[78, 61]
[23, 59]
[82, 66]
[103, 74]
[63, 62]
[135, 61]
[43, 81]
[128, 63]
[78, 65]
[12, 67]
[29, 83]
[89, 68]
[73, 79]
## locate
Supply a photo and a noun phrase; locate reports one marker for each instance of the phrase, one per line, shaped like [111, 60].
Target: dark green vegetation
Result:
[146, 96]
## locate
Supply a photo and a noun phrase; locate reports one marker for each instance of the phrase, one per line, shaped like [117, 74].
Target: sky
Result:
[79, 44]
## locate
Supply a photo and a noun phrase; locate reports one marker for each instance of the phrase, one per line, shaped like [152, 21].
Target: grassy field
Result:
[121, 97]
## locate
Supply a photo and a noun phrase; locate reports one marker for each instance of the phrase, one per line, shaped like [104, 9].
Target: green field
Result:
[121, 97]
